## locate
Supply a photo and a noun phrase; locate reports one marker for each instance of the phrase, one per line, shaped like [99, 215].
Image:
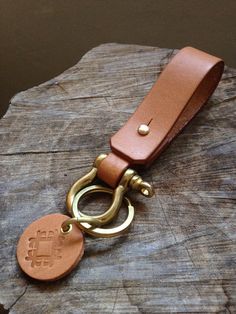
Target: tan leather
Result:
[182, 88]
[44, 253]
[112, 170]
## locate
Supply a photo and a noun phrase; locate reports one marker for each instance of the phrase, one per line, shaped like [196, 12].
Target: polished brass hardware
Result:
[92, 224]
[82, 182]
[66, 227]
[143, 129]
[98, 231]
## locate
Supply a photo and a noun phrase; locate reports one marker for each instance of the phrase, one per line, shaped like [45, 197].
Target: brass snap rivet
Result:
[143, 129]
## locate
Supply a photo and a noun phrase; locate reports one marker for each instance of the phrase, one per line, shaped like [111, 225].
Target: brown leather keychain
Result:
[52, 246]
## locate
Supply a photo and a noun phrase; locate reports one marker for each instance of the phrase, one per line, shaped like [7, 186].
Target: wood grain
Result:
[179, 255]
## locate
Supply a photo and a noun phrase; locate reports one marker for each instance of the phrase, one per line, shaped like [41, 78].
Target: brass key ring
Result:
[181, 90]
[91, 224]
[130, 179]
[79, 217]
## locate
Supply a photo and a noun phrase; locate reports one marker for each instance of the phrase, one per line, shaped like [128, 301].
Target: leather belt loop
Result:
[183, 87]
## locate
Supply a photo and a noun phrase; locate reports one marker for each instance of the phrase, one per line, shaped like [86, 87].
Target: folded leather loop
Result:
[112, 170]
[183, 87]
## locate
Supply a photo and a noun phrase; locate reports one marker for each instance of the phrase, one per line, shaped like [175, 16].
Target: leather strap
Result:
[180, 91]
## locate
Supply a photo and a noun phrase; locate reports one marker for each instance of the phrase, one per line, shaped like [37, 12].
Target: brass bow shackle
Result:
[92, 224]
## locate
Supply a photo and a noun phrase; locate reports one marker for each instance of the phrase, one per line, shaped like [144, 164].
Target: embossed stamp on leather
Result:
[52, 246]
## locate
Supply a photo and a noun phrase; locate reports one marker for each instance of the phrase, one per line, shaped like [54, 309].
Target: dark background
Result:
[41, 38]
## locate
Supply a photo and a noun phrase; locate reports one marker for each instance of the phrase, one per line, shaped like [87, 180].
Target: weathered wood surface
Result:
[179, 255]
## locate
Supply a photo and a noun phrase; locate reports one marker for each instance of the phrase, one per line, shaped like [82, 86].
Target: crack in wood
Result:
[18, 299]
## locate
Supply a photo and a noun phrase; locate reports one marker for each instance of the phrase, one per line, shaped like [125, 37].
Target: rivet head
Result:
[143, 129]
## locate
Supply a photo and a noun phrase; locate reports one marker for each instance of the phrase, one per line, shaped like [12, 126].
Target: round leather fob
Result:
[45, 253]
